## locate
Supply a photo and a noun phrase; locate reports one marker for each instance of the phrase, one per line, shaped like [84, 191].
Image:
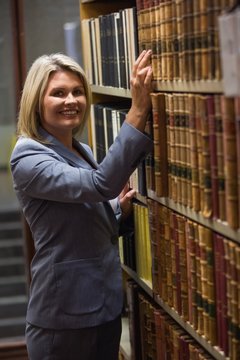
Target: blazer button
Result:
[114, 239]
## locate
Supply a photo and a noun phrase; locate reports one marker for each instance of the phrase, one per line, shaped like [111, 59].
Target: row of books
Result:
[154, 335]
[196, 155]
[135, 248]
[183, 36]
[110, 47]
[106, 120]
[197, 273]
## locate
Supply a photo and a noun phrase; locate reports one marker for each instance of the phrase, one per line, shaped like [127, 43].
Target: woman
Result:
[73, 210]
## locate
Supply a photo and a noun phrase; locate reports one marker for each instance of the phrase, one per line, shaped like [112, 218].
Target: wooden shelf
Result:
[111, 91]
[143, 284]
[200, 86]
[215, 225]
[166, 86]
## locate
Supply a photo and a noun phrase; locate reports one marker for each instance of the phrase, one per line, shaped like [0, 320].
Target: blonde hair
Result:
[35, 86]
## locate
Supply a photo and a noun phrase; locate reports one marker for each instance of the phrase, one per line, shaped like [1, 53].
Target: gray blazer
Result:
[76, 272]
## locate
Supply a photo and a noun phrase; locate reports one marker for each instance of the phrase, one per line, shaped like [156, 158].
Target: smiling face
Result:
[64, 104]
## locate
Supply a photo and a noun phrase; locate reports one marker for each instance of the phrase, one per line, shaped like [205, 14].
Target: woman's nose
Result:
[70, 98]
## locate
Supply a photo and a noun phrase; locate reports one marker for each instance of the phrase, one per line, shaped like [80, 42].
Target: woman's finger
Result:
[141, 61]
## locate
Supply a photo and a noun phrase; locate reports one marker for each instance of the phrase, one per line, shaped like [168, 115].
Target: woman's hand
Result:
[141, 87]
[125, 199]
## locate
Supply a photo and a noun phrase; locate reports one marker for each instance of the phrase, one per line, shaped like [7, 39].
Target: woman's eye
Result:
[78, 92]
[58, 93]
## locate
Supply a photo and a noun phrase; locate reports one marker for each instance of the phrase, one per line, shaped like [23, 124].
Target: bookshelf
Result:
[194, 71]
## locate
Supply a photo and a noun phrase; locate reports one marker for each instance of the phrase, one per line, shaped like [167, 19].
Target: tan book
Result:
[189, 19]
[160, 144]
[191, 271]
[209, 292]
[235, 316]
[175, 44]
[183, 148]
[199, 141]
[163, 42]
[181, 220]
[176, 170]
[197, 40]
[179, 19]
[194, 153]
[205, 184]
[188, 173]
[157, 20]
[230, 161]
[173, 148]
[153, 37]
[199, 284]
[168, 39]
[204, 46]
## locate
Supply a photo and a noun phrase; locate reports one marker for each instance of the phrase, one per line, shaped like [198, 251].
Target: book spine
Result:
[206, 163]
[213, 155]
[191, 271]
[194, 153]
[175, 150]
[168, 39]
[220, 158]
[237, 122]
[175, 43]
[160, 144]
[197, 39]
[183, 266]
[179, 19]
[230, 161]
[204, 46]
[154, 235]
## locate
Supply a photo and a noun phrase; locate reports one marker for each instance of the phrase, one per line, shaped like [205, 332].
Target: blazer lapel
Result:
[88, 160]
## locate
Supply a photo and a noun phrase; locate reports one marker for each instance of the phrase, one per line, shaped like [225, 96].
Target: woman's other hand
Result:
[125, 199]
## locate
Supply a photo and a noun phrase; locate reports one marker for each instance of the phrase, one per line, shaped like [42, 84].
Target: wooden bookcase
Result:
[91, 8]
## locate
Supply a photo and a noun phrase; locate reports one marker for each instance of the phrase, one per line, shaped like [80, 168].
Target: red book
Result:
[160, 338]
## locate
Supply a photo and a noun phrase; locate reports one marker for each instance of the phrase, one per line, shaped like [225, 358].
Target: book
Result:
[220, 158]
[237, 124]
[206, 183]
[230, 161]
[212, 128]
[194, 153]
[160, 144]
[191, 272]
[132, 290]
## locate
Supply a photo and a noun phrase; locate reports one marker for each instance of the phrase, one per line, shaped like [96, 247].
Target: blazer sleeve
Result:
[40, 172]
